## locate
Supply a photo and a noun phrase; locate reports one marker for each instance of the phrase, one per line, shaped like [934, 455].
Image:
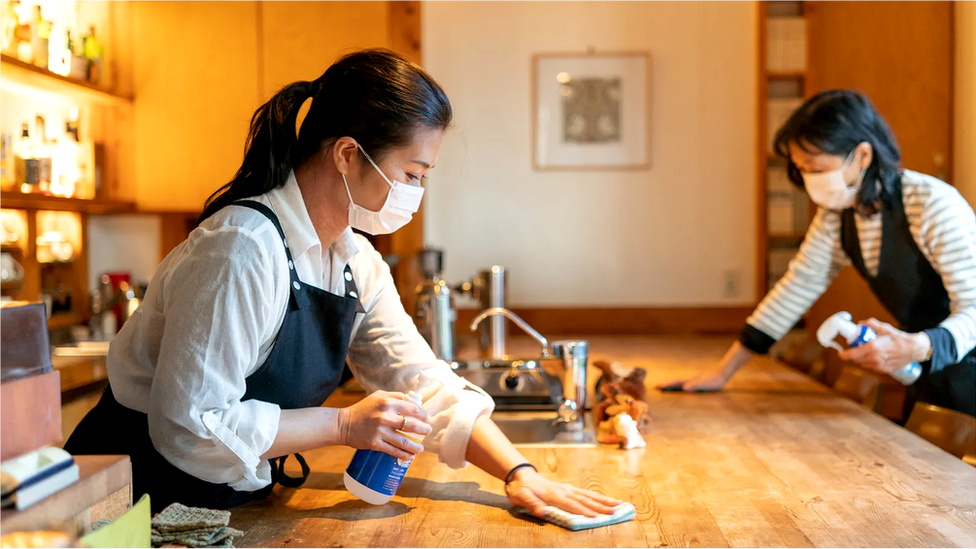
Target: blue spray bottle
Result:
[374, 476]
[856, 335]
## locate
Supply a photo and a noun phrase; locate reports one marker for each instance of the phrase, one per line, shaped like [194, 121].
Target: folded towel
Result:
[569, 521]
[178, 517]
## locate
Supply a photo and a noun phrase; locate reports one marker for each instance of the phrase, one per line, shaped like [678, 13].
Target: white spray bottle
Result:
[856, 335]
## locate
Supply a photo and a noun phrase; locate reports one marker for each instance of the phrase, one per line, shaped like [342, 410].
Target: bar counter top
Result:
[774, 460]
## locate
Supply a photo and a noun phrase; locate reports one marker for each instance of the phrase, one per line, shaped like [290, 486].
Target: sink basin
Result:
[537, 429]
[514, 384]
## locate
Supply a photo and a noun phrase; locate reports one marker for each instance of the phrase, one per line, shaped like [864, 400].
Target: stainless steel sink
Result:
[539, 429]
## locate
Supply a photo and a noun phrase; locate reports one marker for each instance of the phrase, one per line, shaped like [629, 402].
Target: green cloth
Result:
[129, 530]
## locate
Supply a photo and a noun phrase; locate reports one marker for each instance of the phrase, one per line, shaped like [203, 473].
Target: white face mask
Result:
[830, 190]
[401, 203]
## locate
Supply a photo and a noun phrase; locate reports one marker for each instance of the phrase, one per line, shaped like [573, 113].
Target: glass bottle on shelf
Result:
[65, 169]
[9, 21]
[27, 171]
[23, 34]
[42, 152]
[59, 49]
[40, 35]
[8, 171]
[93, 52]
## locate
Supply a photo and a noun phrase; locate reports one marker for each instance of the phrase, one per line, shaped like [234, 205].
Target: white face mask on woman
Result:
[401, 203]
[830, 190]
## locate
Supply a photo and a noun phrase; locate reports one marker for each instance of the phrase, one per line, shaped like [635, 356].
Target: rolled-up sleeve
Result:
[388, 353]
[218, 302]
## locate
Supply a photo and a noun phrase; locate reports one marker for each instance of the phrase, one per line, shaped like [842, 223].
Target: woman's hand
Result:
[703, 383]
[531, 490]
[734, 358]
[891, 351]
[372, 424]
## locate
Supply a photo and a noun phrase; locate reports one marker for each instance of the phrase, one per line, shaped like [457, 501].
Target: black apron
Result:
[304, 367]
[912, 291]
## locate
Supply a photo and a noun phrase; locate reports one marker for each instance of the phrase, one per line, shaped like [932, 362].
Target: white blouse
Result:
[210, 319]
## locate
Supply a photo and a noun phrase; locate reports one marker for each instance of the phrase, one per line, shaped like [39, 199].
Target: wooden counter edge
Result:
[99, 478]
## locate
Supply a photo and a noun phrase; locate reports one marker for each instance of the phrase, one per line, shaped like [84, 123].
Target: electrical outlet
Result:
[732, 283]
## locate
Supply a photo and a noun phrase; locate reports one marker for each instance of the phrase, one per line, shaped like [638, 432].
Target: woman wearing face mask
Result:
[248, 324]
[911, 236]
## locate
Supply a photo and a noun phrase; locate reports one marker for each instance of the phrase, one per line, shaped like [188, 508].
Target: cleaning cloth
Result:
[569, 521]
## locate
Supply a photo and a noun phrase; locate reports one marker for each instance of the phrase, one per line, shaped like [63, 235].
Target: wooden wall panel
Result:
[899, 54]
[405, 37]
[299, 40]
[196, 88]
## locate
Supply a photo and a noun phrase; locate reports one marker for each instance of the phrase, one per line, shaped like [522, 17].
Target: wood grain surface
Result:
[775, 460]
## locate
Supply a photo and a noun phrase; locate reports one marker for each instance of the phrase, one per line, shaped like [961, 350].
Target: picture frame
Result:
[591, 111]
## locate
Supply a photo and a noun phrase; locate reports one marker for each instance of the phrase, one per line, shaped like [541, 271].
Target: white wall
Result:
[964, 138]
[662, 237]
[128, 243]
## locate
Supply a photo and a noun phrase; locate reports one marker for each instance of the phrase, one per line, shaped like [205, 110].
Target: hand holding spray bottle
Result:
[857, 335]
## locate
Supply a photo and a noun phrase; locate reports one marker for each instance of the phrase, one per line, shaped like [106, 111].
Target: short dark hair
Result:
[376, 96]
[835, 122]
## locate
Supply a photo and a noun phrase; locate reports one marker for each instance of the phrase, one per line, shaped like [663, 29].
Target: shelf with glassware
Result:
[784, 210]
[43, 42]
[67, 117]
[44, 260]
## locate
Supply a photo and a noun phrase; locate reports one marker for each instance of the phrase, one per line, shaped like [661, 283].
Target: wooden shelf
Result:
[11, 286]
[20, 201]
[24, 77]
[100, 477]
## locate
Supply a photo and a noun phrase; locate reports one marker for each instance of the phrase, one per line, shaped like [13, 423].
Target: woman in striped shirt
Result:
[912, 237]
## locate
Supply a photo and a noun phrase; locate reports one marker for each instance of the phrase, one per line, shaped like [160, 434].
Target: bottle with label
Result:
[42, 153]
[9, 21]
[93, 52]
[856, 335]
[65, 170]
[27, 172]
[8, 171]
[40, 35]
[374, 476]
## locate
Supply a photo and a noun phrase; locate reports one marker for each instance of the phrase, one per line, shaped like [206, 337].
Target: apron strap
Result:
[297, 287]
[278, 472]
[351, 290]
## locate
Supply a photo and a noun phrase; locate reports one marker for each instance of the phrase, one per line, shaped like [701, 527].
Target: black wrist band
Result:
[508, 477]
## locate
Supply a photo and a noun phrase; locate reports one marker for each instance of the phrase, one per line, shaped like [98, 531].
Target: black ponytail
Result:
[377, 97]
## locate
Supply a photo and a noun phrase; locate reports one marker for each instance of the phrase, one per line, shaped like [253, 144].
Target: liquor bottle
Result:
[65, 170]
[26, 171]
[40, 36]
[42, 152]
[8, 170]
[22, 34]
[9, 21]
[93, 52]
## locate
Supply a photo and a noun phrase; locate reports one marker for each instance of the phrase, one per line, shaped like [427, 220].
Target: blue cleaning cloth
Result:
[569, 521]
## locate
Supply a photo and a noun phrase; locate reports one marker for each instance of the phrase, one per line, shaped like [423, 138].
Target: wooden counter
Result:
[776, 460]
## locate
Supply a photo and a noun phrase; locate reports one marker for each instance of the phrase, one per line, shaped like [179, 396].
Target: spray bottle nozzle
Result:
[838, 324]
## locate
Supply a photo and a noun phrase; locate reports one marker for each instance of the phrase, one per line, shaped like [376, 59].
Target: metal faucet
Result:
[494, 311]
[566, 375]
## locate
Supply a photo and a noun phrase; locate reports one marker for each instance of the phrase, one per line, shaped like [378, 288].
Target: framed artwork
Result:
[590, 111]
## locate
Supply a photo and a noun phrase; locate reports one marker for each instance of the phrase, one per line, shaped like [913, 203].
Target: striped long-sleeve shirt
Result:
[944, 228]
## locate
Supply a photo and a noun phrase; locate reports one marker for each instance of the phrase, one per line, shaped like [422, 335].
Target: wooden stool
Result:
[818, 371]
[950, 430]
[801, 353]
[860, 386]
